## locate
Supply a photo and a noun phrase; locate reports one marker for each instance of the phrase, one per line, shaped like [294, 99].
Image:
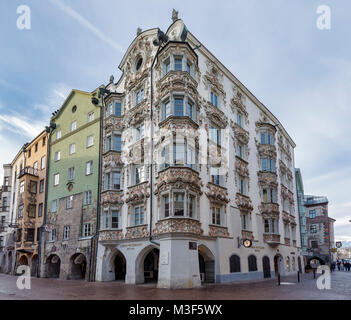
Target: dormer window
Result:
[139, 64]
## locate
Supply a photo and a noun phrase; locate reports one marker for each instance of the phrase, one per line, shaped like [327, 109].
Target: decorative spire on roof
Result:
[175, 15]
[139, 30]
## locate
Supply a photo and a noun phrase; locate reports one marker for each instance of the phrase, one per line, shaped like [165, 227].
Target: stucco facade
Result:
[31, 202]
[73, 170]
[220, 169]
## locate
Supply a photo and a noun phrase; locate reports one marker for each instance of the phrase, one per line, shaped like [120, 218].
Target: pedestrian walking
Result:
[338, 264]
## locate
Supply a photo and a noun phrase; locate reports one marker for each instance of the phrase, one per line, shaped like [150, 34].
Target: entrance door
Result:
[266, 267]
[120, 268]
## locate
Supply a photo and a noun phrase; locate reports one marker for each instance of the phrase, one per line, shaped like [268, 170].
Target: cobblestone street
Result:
[53, 289]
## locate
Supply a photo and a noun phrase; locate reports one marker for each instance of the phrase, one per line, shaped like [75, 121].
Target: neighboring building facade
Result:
[223, 171]
[4, 213]
[344, 253]
[9, 252]
[302, 211]
[73, 171]
[320, 229]
[31, 202]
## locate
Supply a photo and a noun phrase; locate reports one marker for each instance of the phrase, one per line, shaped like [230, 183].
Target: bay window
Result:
[271, 226]
[114, 108]
[113, 143]
[178, 204]
[192, 206]
[111, 219]
[177, 105]
[139, 132]
[267, 137]
[178, 64]
[268, 164]
[139, 174]
[269, 195]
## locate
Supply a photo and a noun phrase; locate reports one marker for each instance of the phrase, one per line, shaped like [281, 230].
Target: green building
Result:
[69, 239]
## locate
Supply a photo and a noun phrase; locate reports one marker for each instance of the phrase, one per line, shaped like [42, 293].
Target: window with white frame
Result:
[90, 141]
[21, 186]
[178, 204]
[20, 211]
[87, 197]
[52, 235]
[214, 99]
[269, 195]
[239, 120]
[215, 176]
[71, 174]
[139, 96]
[58, 134]
[166, 207]
[192, 206]
[240, 151]
[178, 63]
[91, 116]
[66, 230]
[113, 143]
[242, 185]
[139, 217]
[166, 67]
[86, 232]
[114, 108]
[73, 126]
[69, 202]
[244, 221]
[216, 216]
[115, 219]
[286, 230]
[271, 226]
[72, 148]
[178, 105]
[139, 174]
[215, 134]
[268, 164]
[54, 206]
[43, 163]
[89, 168]
[57, 156]
[56, 179]
[139, 132]
[266, 137]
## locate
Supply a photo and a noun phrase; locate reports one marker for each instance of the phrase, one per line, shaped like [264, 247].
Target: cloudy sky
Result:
[301, 73]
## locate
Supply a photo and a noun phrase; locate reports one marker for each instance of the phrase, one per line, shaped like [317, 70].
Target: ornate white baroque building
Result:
[221, 172]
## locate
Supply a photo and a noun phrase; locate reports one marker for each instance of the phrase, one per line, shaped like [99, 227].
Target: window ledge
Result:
[139, 184]
[85, 238]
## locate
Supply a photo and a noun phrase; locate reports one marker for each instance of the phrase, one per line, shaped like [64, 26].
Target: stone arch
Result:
[266, 266]
[34, 265]
[140, 264]
[206, 264]
[118, 263]
[252, 263]
[321, 261]
[278, 264]
[9, 262]
[234, 263]
[77, 267]
[23, 261]
[53, 266]
[3, 263]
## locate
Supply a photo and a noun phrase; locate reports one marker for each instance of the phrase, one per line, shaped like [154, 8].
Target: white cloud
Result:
[85, 23]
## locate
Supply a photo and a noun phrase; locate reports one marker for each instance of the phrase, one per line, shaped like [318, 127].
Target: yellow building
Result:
[31, 202]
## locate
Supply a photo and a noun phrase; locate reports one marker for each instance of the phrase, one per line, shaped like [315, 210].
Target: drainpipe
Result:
[49, 130]
[152, 148]
[93, 255]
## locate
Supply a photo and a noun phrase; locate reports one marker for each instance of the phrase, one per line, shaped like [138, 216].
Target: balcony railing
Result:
[28, 170]
[271, 238]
